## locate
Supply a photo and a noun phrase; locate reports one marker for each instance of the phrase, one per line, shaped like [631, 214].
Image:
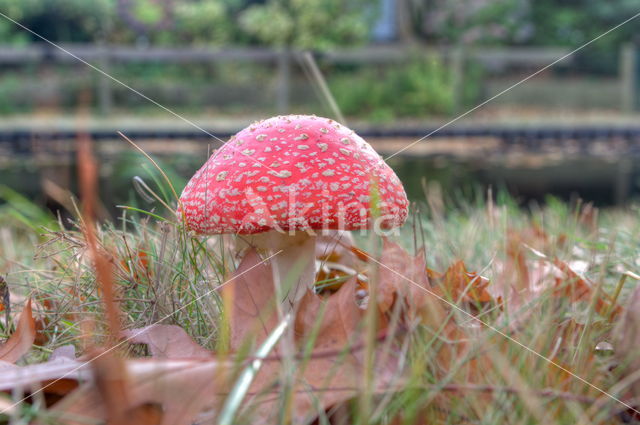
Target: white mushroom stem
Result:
[293, 266]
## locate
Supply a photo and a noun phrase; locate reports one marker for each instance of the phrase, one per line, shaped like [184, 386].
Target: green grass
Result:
[163, 271]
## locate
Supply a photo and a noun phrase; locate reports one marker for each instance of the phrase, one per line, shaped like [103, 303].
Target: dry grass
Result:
[469, 374]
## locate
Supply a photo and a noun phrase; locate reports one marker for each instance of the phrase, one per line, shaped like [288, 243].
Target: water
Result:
[602, 181]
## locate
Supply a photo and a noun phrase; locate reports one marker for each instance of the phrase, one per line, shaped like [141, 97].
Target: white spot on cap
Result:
[248, 151]
[282, 174]
[303, 147]
[261, 137]
[221, 175]
[303, 136]
[328, 173]
[323, 147]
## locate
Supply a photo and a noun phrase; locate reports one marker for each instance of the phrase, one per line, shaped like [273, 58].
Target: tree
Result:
[464, 22]
[308, 24]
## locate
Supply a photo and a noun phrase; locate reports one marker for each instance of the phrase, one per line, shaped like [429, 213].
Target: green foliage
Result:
[191, 21]
[23, 211]
[204, 22]
[58, 20]
[422, 87]
[475, 21]
[307, 24]
[147, 12]
[574, 23]
[314, 24]
[577, 22]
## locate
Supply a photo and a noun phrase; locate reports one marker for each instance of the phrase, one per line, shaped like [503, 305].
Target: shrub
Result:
[422, 87]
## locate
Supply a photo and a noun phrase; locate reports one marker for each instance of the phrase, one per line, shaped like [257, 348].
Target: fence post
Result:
[105, 94]
[457, 60]
[283, 84]
[629, 70]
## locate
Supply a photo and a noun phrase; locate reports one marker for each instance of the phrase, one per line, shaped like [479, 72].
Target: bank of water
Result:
[602, 181]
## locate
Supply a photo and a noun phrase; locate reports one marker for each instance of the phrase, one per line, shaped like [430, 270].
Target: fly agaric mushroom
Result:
[279, 180]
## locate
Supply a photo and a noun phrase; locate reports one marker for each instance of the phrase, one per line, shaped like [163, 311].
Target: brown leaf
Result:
[48, 377]
[626, 340]
[403, 279]
[172, 392]
[577, 288]
[513, 284]
[334, 371]
[146, 414]
[22, 339]
[338, 314]
[163, 391]
[167, 341]
[459, 284]
[33, 376]
[253, 314]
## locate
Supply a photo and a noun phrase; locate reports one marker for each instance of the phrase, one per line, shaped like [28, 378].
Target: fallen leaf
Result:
[65, 352]
[252, 291]
[334, 369]
[513, 283]
[175, 390]
[459, 284]
[55, 378]
[626, 339]
[145, 414]
[576, 288]
[167, 341]
[403, 280]
[170, 391]
[22, 339]
[32, 376]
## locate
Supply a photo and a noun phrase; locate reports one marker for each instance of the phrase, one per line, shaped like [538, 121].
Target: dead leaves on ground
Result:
[22, 339]
[183, 381]
[166, 341]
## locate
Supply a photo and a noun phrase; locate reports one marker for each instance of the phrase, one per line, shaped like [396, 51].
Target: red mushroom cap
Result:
[294, 172]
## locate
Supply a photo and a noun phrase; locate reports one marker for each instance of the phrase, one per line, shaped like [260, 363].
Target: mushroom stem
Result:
[293, 267]
[294, 270]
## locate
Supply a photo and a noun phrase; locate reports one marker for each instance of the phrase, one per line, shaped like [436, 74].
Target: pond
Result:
[604, 181]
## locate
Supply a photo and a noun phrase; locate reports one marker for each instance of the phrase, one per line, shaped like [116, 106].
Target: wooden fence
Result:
[493, 59]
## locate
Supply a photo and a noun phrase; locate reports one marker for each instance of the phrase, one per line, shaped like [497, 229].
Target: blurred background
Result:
[394, 70]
